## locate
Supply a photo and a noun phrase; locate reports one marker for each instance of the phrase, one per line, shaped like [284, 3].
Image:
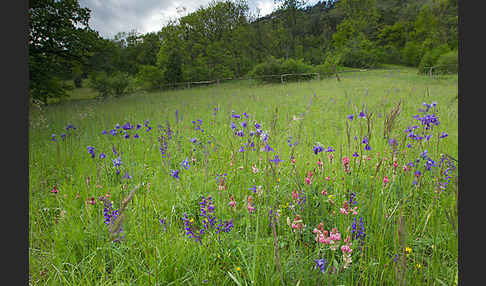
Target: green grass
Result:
[69, 243]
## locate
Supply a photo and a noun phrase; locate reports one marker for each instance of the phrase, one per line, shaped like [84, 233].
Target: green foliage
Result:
[150, 77]
[448, 62]
[99, 81]
[359, 52]
[431, 57]
[59, 37]
[272, 67]
[116, 84]
[412, 53]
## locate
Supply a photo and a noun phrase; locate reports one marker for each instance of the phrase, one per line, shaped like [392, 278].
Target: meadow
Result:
[322, 182]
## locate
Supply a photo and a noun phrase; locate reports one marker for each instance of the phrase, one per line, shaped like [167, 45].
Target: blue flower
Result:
[350, 117]
[175, 174]
[355, 154]
[321, 264]
[317, 149]
[362, 114]
[102, 155]
[185, 164]
[276, 160]
[330, 149]
[91, 151]
[443, 135]
[367, 147]
[268, 148]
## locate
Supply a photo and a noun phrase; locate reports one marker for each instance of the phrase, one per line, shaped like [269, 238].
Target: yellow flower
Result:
[418, 265]
[238, 268]
[331, 197]
[191, 220]
[408, 249]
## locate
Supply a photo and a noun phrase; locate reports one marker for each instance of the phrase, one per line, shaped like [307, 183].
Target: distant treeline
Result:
[224, 40]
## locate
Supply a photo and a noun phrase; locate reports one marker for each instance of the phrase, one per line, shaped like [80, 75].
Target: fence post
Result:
[281, 78]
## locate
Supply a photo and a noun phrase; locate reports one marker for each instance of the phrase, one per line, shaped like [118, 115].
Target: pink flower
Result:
[346, 249]
[250, 208]
[295, 195]
[232, 202]
[54, 190]
[324, 192]
[345, 160]
[328, 178]
[319, 163]
[91, 201]
[395, 164]
[308, 181]
[385, 180]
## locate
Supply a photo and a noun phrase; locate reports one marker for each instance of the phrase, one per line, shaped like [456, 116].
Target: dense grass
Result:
[70, 244]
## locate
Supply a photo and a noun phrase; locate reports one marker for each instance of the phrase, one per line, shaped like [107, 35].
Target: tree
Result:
[59, 37]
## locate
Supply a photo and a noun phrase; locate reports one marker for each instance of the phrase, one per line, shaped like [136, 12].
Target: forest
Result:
[224, 40]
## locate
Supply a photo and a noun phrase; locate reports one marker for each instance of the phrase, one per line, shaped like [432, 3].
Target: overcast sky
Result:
[109, 17]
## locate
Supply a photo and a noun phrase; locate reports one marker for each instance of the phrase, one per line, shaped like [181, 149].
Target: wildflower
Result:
[319, 163]
[268, 148]
[362, 114]
[249, 206]
[91, 201]
[163, 223]
[136, 136]
[232, 202]
[276, 160]
[443, 135]
[254, 169]
[296, 224]
[324, 192]
[350, 117]
[346, 164]
[185, 164]
[175, 174]
[91, 151]
[54, 190]
[238, 268]
[330, 149]
[320, 264]
[317, 149]
[127, 176]
[385, 180]
[193, 140]
[358, 230]
[102, 155]
[367, 147]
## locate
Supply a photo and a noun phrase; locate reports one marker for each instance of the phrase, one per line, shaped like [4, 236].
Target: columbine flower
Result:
[350, 117]
[362, 114]
[102, 155]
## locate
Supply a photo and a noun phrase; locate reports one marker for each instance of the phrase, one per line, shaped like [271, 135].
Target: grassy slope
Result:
[75, 248]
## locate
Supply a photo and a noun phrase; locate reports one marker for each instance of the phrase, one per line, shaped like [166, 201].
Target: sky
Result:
[109, 17]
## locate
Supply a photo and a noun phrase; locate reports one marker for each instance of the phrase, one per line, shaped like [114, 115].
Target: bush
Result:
[448, 62]
[430, 58]
[117, 84]
[412, 53]
[150, 77]
[360, 53]
[273, 66]
[99, 81]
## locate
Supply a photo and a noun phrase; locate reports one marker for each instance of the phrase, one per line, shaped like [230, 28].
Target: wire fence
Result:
[283, 78]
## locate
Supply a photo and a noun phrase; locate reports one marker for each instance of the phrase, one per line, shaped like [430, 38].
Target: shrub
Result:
[117, 84]
[412, 53]
[99, 81]
[448, 62]
[272, 66]
[360, 53]
[430, 58]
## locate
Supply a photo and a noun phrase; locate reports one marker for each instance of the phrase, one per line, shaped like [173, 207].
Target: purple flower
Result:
[185, 164]
[268, 148]
[350, 117]
[53, 137]
[242, 149]
[257, 126]
[175, 174]
[127, 176]
[244, 124]
[330, 149]
[365, 140]
[362, 114]
[317, 149]
[104, 132]
[276, 160]
[136, 136]
[113, 132]
[91, 151]
[367, 147]
[63, 136]
[117, 162]
[443, 135]
[320, 264]
[70, 126]
[355, 155]
[102, 155]
[193, 140]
